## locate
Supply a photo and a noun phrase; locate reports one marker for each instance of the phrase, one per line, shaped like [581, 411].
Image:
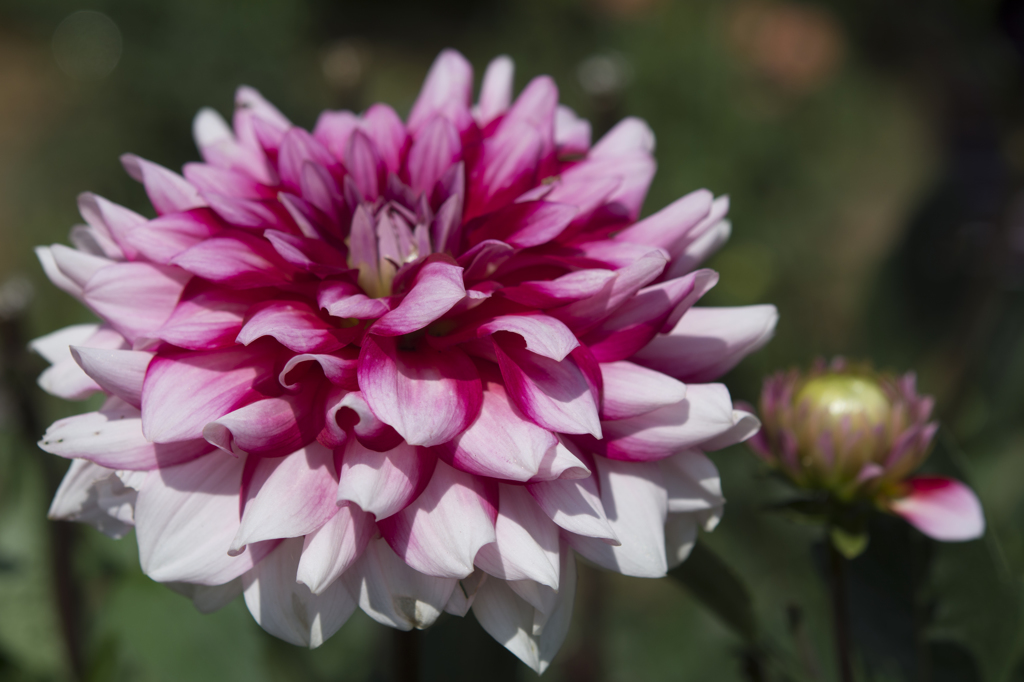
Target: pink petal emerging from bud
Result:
[942, 508]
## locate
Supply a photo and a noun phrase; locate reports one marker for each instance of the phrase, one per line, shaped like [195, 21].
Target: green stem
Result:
[840, 612]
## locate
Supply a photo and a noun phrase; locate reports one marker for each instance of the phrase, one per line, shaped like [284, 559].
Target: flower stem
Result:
[840, 612]
[407, 660]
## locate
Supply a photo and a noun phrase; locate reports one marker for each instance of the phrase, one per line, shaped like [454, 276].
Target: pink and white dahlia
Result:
[407, 366]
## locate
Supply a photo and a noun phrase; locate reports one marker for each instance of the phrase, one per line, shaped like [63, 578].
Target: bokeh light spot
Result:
[87, 45]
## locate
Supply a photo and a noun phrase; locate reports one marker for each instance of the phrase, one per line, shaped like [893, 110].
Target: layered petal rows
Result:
[406, 367]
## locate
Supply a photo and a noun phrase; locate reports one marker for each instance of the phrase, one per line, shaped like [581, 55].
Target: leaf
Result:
[850, 545]
[710, 580]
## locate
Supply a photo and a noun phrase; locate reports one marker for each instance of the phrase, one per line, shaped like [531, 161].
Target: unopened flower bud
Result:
[857, 434]
[844, 428]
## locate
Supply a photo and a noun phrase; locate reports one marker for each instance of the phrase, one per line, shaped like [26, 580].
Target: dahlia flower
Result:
[859, 435]
[409, 367]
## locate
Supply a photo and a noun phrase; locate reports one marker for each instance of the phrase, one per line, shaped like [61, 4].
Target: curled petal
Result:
[344, 299]
[942, 508]
[271, 427]
[295, 325]
[351, 412]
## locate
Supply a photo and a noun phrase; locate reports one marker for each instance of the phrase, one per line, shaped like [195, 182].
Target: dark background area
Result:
[874, 155]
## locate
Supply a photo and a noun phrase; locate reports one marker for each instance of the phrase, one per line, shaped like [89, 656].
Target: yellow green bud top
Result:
[843, 396]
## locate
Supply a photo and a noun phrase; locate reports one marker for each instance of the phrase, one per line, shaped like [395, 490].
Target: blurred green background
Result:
[874, 154]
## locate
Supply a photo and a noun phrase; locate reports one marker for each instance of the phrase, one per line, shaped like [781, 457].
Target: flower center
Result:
[843, 396]
[381, 241]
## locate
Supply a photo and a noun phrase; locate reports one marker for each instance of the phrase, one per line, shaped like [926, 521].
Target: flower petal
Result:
[272, 427]
[438, 286]
[708, 342]
[383, 483]
[512, 621]
[496, 90]
[500, 443]
[440, 533]
[525, 223]
[112, 438]
[435, 150]
[942, 508]
[446, 91]
[574, 286]
[428, 396]
[239, 261]
[135, 298]
[526, 545]
[632, 326]
[392, 593]
[167, 191]
[692, 482]
[575, 505]
[633, 495]
[704, 418]
[120, 372]
[287, 609]
[183, 392]
[555, 395]
[95, 495]
[669, 227]
[185, 518]
[207, 317]
[295, 325]
[631, 390]
[332, 548]
[288, 497]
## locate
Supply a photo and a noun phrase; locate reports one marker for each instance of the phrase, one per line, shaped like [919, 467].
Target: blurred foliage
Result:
[873, 152]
